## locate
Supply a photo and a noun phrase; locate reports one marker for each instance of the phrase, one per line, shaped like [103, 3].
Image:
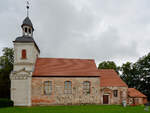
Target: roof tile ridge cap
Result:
[66, 58]
[106, 70]
[138, 91]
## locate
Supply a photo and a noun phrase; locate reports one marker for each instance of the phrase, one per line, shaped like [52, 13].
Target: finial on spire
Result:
[27, 8]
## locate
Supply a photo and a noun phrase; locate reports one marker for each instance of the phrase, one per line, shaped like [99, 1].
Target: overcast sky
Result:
[116, 30]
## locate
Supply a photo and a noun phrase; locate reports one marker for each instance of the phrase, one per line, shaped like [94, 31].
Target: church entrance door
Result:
[105, 99]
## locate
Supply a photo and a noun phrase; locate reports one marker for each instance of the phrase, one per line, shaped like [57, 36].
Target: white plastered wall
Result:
[32, 54]
[21, 75]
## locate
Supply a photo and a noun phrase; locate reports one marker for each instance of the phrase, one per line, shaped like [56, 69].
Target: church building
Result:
[59, 81]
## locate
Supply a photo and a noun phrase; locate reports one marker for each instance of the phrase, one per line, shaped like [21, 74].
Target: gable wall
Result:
[122, 94]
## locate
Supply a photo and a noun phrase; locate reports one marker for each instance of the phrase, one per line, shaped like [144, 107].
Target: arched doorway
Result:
[105, 99]
[106, 95]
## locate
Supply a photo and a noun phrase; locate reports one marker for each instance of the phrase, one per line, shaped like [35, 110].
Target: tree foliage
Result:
[143, 72]
[129, 74]
[108, 65]
[137, 75]
[6, 66]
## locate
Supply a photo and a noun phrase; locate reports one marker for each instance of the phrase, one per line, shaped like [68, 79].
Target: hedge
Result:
[6, 103]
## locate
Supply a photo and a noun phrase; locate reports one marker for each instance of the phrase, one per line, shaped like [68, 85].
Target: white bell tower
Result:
[26, 52]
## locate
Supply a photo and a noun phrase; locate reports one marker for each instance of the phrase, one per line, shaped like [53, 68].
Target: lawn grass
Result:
[75, 109]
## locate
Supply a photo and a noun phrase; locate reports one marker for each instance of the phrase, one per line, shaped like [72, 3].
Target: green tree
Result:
[137, 75]
[6, 66]
[143, 71]
[129, 74]
[108, 65]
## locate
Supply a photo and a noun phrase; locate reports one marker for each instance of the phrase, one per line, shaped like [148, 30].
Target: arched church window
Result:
[26, 30]
[115, 93]
[86, 87]
[48, 87]
[68, 87]
[30, 31]
[24, 54]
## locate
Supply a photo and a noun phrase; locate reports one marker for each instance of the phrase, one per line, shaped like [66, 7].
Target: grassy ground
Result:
[75, 109]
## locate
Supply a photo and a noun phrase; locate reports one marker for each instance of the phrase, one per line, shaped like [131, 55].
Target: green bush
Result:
[6, 103]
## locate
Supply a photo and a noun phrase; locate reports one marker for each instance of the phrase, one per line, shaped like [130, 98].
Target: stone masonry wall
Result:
[136, 101]
[58, 97]
[122, 94]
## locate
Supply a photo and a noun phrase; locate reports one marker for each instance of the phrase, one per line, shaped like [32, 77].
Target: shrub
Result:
[6, 103]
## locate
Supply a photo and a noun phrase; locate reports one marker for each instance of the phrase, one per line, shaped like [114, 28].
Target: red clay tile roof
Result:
[132, 92]
[110, 78]
[65, 67]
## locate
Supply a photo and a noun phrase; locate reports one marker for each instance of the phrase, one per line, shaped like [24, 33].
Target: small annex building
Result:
[113, 89]
[135, 97]
[60, 81]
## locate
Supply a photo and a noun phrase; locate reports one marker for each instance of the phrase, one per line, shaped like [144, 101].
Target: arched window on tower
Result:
[24, 54]
[30, 31]
[26, 30]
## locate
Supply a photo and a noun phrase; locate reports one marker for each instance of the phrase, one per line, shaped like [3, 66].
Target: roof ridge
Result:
[106, 69]
[65, 58]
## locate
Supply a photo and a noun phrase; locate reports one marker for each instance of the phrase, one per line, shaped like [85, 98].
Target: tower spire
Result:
[27, 8]
[27, 26]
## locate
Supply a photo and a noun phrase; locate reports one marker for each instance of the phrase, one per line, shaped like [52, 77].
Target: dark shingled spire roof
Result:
[27, 22]
[26, 39]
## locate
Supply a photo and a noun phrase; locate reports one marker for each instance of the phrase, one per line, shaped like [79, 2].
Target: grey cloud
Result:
[99, 29]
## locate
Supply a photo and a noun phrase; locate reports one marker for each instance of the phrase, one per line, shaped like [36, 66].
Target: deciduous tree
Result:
[6, 66]
[108, 65]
